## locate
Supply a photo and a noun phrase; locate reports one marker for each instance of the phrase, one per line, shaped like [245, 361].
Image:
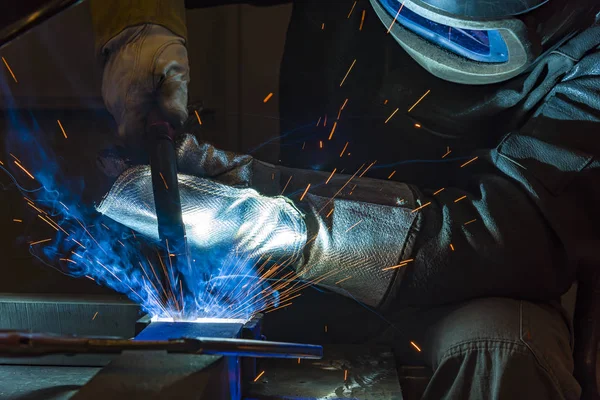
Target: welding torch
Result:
[160, 137]
[25, 344]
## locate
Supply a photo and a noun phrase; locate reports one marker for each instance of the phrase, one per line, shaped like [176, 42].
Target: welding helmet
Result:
[481, 41]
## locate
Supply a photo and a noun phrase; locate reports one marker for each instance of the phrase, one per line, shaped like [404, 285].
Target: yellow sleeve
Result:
[110, 17]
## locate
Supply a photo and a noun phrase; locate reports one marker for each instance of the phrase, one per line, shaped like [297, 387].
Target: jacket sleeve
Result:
[516, 222]
[110, 17]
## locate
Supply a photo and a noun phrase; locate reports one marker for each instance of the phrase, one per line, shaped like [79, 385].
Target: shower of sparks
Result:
[344, 149]
[460, 198]
[164, 181]
[417, 126]
[420, 208]
[448, 151]
[39, 241]
[305, 191]
[347, 73]
[470, 161]
[390, 117]
[268, 97]
[198, 117]
[287, 183]
[439, 191]
[259, 375]
[415, 346]
[342, 280]
[402, 264]
[396, 17]
[62, 129]
[418, 101]
[330, 176]
[451, 247]
[332, 130]
[353, 226]
[24, 170]
[352, 9]
[362, 20]
[470, 222]
[392, 174]
[95, 315]
[319, 121]
[10, 70]
[17, 220]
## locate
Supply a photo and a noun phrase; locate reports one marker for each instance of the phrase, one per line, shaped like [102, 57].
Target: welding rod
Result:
[25, 344]
[165, 187]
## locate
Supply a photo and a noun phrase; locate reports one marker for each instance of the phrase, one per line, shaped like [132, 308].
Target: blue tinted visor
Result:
[486, 46]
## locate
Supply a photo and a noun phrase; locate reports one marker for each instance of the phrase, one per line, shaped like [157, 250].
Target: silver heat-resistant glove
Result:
[343, 240]
[146, 66]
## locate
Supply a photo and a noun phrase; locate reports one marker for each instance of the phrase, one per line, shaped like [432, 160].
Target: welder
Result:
[466, 258]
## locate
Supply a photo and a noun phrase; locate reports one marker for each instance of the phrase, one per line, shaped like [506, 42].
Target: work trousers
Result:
[488, 348]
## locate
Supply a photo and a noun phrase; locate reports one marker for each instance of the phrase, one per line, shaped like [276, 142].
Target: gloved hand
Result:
[357, 233]
[146, 67]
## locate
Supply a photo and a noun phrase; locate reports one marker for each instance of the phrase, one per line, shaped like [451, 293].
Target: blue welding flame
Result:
[89, 245]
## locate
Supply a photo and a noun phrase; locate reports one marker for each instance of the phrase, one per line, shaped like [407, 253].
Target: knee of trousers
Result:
[505, 339]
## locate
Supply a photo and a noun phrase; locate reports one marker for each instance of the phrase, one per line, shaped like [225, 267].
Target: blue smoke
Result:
[83, 243]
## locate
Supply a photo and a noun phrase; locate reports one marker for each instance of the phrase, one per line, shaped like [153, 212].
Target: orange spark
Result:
[24, 170]
[17, 220]
[365, 171]
[460, 198]
[362, 20]
[345, 375]
[76, 255]
[451, 247]
[418, 101]
[352, 227]
[323, 26]
[330, 176]
[342, 280]
[402, 264]
[319, 121]
[48, 222]
[390, 117]
[164, 181]
[15, 157]
[344, 105]
[1, 163]
[392, 174]
[352, 9]
[10, 70]
[329, 213]
[471, 221]
[320, 144]
[419, 208]
[286, 185]
[78, 243]
[415, 345]
[325, 328]
[39, 241]
[298, 360]
[417, 125]
[61, 128]
[470, 161]
[344, 149]
[259, 375]
[268, 97]
[439, 191]
[347, 73]
[385, 101]
[198, 116]
[325, 120]
[303, 144]
[396, 17]
[448, 151]
[332, 130]
[94, 317]
[67, 260]
[280, 307]
[305, 191]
